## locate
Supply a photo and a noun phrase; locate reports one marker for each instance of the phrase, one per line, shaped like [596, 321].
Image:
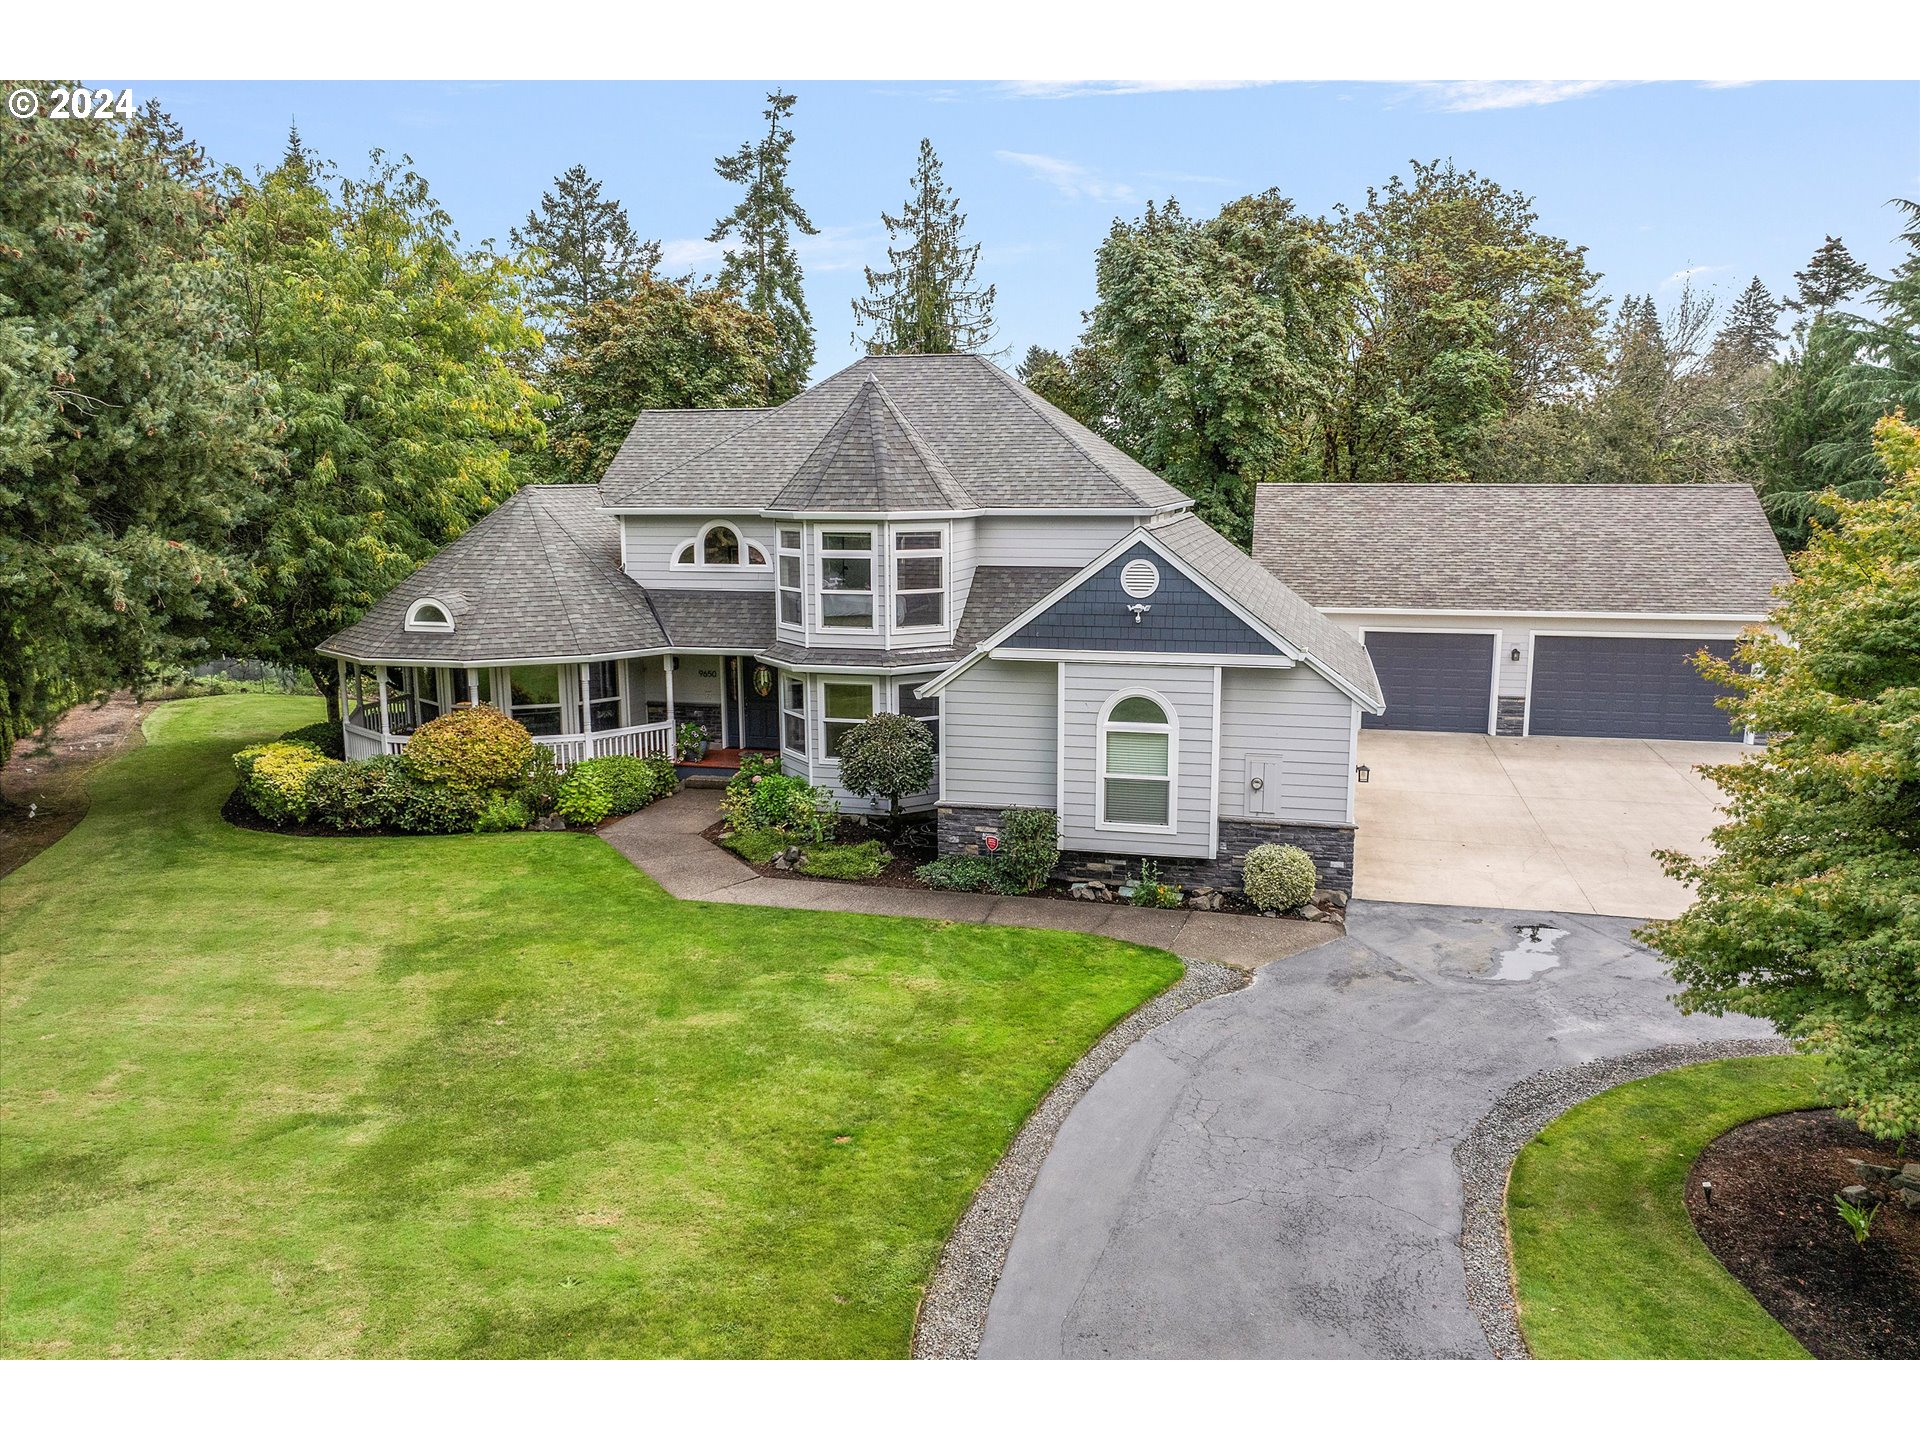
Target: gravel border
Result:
[1485, 1157]
[953, 1312]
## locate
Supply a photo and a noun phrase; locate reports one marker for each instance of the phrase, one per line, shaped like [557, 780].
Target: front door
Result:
[761, 705]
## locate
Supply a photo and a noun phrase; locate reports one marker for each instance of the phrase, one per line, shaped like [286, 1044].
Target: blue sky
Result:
[1654, 179]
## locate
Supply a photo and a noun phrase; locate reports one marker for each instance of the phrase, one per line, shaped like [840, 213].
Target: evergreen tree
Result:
[132, 446]
[761, 266]
[1832, 278]
[587, 245]
[926, 303]
[296, 161]
[1751, 334]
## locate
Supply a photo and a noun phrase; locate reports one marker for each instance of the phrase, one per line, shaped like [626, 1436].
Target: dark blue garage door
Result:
[1630, 688]
[1432, 681]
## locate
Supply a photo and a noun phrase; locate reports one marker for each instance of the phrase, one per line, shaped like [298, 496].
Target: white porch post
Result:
[473, 686]
[380, 674]
[666, 668]
[586, 701]
[346, 708]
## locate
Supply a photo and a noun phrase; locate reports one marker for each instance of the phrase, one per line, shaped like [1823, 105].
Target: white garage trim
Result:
[1690, 616]
[1533, 650]
[1493, 680]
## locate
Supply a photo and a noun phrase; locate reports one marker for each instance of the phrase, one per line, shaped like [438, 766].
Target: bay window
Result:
[919, 579]
[846, 704]
[846, 579]
[793, 714]
[1137, 747]
[791, 599]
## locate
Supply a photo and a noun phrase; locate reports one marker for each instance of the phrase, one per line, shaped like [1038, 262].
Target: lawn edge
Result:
[952, 1314]
[1486, 1154]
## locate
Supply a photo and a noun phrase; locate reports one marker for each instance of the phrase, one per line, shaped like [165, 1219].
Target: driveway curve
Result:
[1270, 1174]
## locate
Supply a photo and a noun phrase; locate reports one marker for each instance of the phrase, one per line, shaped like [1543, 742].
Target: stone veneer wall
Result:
[962, 827]
[1512, 716]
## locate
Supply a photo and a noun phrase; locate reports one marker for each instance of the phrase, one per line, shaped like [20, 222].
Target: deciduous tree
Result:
[1808, 913]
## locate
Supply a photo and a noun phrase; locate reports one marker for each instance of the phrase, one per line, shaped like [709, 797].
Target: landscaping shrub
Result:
[323, 735]
[785, 803]
[1153, 892]
[1029, 849]
[538, 786]
[476, 748]
[846, 862]
[957, 872]
[885, 757]
[613, 785]
[752, 765]
[503, 812]
[1280, 877]
[756, 847]
[274, 778]
[384, 794]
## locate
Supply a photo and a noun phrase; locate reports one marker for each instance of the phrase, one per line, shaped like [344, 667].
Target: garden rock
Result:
[1867, 1170]
[1857, 1195]
[549, 822]
[780, 862]
[1090, 890]
[1312, 912]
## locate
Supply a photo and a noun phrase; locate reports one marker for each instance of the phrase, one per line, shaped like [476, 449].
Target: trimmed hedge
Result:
[476, 748]
[275, 778]
[384, 794]
[1280, 877]
[323, 735]
[613, 785]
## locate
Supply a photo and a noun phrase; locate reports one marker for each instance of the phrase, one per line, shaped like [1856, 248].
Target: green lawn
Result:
[1606, 1262]
[487, 1095]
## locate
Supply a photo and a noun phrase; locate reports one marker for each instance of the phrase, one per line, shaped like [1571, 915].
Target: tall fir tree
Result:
[296, 161]
[588, 246]
[1751, 334]
[926, 302]
[761, 265]
[1832, 278]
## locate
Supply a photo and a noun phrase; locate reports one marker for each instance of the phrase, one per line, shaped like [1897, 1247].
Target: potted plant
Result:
[692, 739]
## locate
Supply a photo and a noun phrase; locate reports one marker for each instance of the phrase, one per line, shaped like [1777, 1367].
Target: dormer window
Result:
[718, 547]
[430, 616]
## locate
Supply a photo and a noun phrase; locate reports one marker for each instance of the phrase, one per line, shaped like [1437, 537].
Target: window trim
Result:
[820, 557]
[788, 684]
[850, 681]
[780, 588]
[435, 627]
[749, 549]
[902, 697]
[894, 590]
[1171, 730]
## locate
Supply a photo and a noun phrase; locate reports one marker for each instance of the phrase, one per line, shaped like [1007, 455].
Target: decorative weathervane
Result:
[762, 680]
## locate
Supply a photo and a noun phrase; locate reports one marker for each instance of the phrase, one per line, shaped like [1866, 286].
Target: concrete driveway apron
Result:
[1270, 1173]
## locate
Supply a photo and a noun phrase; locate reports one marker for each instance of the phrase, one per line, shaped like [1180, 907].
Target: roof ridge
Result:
[1027, 397]
[947, 482]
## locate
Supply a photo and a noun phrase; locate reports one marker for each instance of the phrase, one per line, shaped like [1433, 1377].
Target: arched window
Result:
[718, 546]
[1139, 746]
[430, 615]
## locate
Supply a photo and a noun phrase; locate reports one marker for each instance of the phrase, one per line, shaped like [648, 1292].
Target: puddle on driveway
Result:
[1532, 956]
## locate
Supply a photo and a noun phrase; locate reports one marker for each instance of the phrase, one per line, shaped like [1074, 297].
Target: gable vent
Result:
[1139, 578]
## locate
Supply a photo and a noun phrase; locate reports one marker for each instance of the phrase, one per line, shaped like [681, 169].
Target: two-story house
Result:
[916, 533]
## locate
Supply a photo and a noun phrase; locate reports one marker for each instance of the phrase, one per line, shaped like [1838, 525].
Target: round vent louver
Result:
[1139, 578]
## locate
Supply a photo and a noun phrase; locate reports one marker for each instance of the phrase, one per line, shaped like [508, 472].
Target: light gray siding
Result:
[998, 723]
[1188, 690]
[652, 540]
[1048, 539]
[1298, 716]
[962, 556]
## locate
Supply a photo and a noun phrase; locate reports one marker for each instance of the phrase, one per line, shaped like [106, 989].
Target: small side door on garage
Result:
[1627, 687]
[1432, 680]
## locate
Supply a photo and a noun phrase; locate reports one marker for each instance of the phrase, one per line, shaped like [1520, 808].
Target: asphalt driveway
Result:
[1566, 825]
[1270, 1173]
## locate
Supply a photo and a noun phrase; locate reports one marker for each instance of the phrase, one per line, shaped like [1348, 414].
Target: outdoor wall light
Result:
[1363, 773]
[1514, 654]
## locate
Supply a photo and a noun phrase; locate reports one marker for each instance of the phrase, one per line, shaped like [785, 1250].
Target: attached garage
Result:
[1432, 680]
[1627, 687]
[1581, 606]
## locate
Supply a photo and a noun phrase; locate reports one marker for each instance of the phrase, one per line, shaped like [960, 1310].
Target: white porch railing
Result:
[641, 740]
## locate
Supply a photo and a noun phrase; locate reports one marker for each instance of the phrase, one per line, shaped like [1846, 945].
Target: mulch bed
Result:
[43, 784]
[914, 847]
[1774, 1225]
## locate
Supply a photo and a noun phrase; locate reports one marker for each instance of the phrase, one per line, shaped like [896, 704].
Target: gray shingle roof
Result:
[1000, 446]
[870, 460]
[822, 657]
[1615, 549]
[724, 619]
[1216, 559]
[539, 577]
[1003, 592]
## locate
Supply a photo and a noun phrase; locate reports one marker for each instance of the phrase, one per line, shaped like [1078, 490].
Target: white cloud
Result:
[678, 256]
[1076, 182]
[1077, 89]
[1507, 94]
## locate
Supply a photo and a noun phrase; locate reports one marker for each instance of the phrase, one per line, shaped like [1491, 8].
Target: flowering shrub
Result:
[476, 748]
[787, 803]
[1280, 877]
[274, 778]
[1153, 892]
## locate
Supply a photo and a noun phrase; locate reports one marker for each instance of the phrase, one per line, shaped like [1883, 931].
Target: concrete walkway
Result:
[665, 841]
